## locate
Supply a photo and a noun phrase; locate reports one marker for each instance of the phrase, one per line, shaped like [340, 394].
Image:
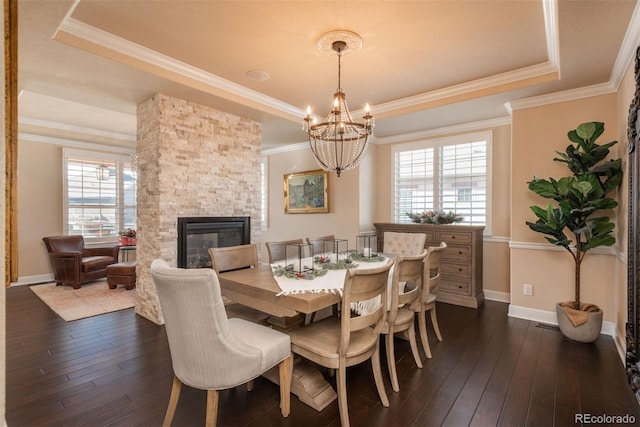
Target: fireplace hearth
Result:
[197, 234]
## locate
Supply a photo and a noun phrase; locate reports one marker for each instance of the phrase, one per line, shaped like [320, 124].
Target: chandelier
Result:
[338, 143]
[103, 172]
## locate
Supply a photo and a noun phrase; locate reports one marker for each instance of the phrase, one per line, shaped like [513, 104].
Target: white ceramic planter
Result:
[586, 333]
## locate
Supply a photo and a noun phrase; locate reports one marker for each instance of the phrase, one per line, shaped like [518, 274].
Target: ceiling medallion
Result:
[338, 143]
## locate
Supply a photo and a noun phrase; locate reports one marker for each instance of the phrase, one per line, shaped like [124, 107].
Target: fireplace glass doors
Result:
[197, 234]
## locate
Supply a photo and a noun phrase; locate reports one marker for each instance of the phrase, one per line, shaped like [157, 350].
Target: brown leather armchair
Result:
[73, 264]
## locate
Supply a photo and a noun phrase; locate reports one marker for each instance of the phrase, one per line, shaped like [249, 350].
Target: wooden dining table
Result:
[257, 288]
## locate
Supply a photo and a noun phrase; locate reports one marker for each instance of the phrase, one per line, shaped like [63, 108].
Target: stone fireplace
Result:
[193, 161]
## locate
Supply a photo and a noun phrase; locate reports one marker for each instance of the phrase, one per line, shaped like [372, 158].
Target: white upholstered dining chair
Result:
[338, 343]
[401, 317]
[428, 295]
[208, 350]
[403, 243]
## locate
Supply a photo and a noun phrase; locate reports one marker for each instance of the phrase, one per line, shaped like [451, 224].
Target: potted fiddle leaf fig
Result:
[577, 219]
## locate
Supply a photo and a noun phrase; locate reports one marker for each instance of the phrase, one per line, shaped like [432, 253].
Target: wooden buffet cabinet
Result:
[461, 267]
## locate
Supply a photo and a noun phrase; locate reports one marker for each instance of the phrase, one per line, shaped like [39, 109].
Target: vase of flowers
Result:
[128, 237]
[435, 217]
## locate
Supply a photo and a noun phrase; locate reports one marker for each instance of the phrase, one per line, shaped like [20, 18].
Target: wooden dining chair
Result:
[318, 243]
[338, 343]
[428, 295]
[235, 258]
[407, 270]
[403, 243]
[277, 250]
[208, 350]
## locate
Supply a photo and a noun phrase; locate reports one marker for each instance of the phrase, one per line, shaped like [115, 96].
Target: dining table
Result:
[257, 288]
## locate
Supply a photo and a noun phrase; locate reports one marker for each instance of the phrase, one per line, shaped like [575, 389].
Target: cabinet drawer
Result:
[455, 285]
[454, 238]
[456, 270]
[454, 253]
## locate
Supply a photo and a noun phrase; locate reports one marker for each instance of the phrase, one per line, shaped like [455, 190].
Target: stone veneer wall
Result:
[193, 160]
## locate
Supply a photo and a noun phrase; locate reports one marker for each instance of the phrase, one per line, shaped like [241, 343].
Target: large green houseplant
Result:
[578, 220]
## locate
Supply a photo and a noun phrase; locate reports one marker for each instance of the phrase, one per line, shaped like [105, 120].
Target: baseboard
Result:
[33, 280]
[496, 296]
[621, 346]
[550, 318]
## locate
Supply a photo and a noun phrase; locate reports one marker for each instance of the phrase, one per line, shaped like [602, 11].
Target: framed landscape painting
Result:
[306, 192]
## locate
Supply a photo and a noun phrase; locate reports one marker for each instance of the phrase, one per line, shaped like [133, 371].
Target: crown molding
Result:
[77, 33]
[627, 51]
[162, 63]
[285, 148]
[76, 129]
[72, 143]
[430, 133]
[551, 28]
[564, 96]
[497, 80]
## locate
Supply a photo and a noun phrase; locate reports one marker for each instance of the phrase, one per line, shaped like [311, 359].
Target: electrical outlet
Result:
[527, 289]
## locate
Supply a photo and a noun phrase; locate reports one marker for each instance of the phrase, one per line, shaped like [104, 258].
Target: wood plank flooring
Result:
[490, 370]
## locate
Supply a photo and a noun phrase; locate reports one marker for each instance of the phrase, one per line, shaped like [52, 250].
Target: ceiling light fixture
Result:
[338, 143]
[103, 172]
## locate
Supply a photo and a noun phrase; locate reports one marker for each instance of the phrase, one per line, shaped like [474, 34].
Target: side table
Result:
[125, 250]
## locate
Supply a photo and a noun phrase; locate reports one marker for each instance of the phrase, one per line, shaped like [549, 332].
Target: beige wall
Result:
[344, 211]
[39, 204]
[537, 133]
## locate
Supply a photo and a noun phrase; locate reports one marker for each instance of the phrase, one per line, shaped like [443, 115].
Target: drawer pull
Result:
[453, 237]
[459, 286]
[459, 252]
[459, 269]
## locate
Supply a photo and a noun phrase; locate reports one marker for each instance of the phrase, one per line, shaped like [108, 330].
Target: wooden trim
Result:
[11, 139]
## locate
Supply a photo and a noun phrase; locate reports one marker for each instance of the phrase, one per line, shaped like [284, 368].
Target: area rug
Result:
[90, 300]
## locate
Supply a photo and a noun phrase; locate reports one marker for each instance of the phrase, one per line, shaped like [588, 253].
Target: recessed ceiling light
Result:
[258, 75]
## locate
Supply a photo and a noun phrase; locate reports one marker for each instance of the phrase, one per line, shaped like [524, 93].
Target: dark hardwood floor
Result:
[115, 370]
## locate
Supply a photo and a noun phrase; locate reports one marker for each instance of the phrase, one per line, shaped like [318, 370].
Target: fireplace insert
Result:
[197, 234]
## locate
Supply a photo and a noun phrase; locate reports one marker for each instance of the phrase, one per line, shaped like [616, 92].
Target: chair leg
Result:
[341, 382]
[391, 361]
[285, 370]
[414, 345]
[212, 408]
[422, 323]
[377, 375]
[173, 402]
[434, 321]
[250, 385]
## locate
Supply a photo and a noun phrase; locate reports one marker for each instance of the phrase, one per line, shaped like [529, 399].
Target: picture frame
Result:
[306, 192]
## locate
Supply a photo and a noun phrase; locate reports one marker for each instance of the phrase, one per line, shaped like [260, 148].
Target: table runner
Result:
[331, 281]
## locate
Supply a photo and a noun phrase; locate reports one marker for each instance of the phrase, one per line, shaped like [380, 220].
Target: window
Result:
[449, 174]
[100, 193]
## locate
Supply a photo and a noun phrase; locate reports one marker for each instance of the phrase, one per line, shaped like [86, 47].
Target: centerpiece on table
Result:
[128, 237]
[435, 217]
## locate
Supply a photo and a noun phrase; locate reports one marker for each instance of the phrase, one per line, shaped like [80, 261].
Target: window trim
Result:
[436, 143]
[119, 159]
